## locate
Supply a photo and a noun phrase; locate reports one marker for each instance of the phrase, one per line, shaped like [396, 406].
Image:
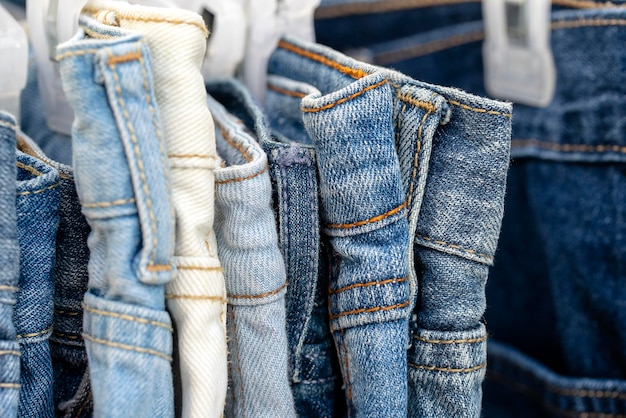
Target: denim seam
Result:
[262, 295]
[522, 143]
[119, 59]
[573, 24]
[202, 268]
[126, 16]
[9, 288]
[74, 53]
[68, 313]
[8, 125]
[97, 35]
[126, 347]
[352, 72]
[31, 170]
[240, 179]
[376, 283]
[68, 336]
[285, 92]
[347, 9]
[33, 334]
[454, 247]
[10, 353]
[195, 297]
[343, 99]
[370, 310]
[349, 380]
[85, 403]
[420, 130]
[246, 155]
[374, 219]
[449, 369]
[461, 341]
[137, 151]
[128, 318]
[428, 106]
[39, 190]
[478, 110]
[235, 340]
[185, 156]
[117, 202]
[10, 385]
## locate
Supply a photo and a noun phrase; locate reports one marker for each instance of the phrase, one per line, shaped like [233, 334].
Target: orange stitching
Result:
[478, 110]
[390, 57]
[75, 53]
[232, 142]
[10, 385]
[40, 190]
[285, 91]
[581, 4]
[125, 16]
[417, 103]
[449, 370]
[370, 220]
[108, 204]
[211, 157]
[344, 99]
[453, 246]
[352, 72]
[238, 179]
[127, 347]
[10, 288]
[354, 286]
[127, 317]
[34, 334]
[132, 56]
[159, 267]
[468, 340]
[345, 349]
[418, 147]
[199, 268]
[567, 24]
[262, 295]
[68, 313]
[370, 310]
[519, 143]
[31, 170]
[339, 10]
[196, 297]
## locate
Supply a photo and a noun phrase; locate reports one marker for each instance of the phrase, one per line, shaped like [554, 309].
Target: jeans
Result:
[122, 179]
[254, 272]
[410, 156]
[554, 303]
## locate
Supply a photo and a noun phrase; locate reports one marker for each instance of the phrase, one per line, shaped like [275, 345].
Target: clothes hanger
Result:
[14, 63]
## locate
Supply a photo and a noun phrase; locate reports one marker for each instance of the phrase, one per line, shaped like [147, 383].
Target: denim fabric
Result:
[313, 366]
[439, 157]
[555, 300]
[38, 194]
[254, 272]
[72, 390]
[9, 260]
[122, 180]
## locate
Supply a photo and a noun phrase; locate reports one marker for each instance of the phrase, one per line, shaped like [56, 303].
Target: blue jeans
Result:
[555, 313]
[413, 225]
[122, 180]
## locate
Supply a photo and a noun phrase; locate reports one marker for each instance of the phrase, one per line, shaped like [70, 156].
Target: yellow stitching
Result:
[125, 16]
[142, 175]
[370, 310]
[571, 24]
[199, 268]
[196, 297]
[34, 334]
[344, 99]
[238, 179]
[8, 125]
[132, 56]
[10, 353]
[10, 385]
[40, 190]
[28, 168]
[11, 288]
[232, 142]
[464, 341]
[519, 143]
[127, 347]
[97, 35]
[418, 147]
[109, 204]
[370, 220]
[127, 317]
[449, 370]
[475, 109]
[262, 295]
[159, 267]
[377, 283]
[68, 313]
[453, 246]
[339, 10]
[212, 157]
[285, 91]
[74, 53]
[417, 103]
[352, 72]
[71, 337]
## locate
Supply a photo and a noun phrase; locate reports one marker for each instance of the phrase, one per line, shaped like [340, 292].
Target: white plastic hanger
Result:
[14, 63]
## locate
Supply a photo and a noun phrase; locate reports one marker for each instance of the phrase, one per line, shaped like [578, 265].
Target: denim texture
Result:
[10, 262]
[556, 322]
[37, 206]
[254, 272]
[443, 186]
[313, 366]
[122, 180]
